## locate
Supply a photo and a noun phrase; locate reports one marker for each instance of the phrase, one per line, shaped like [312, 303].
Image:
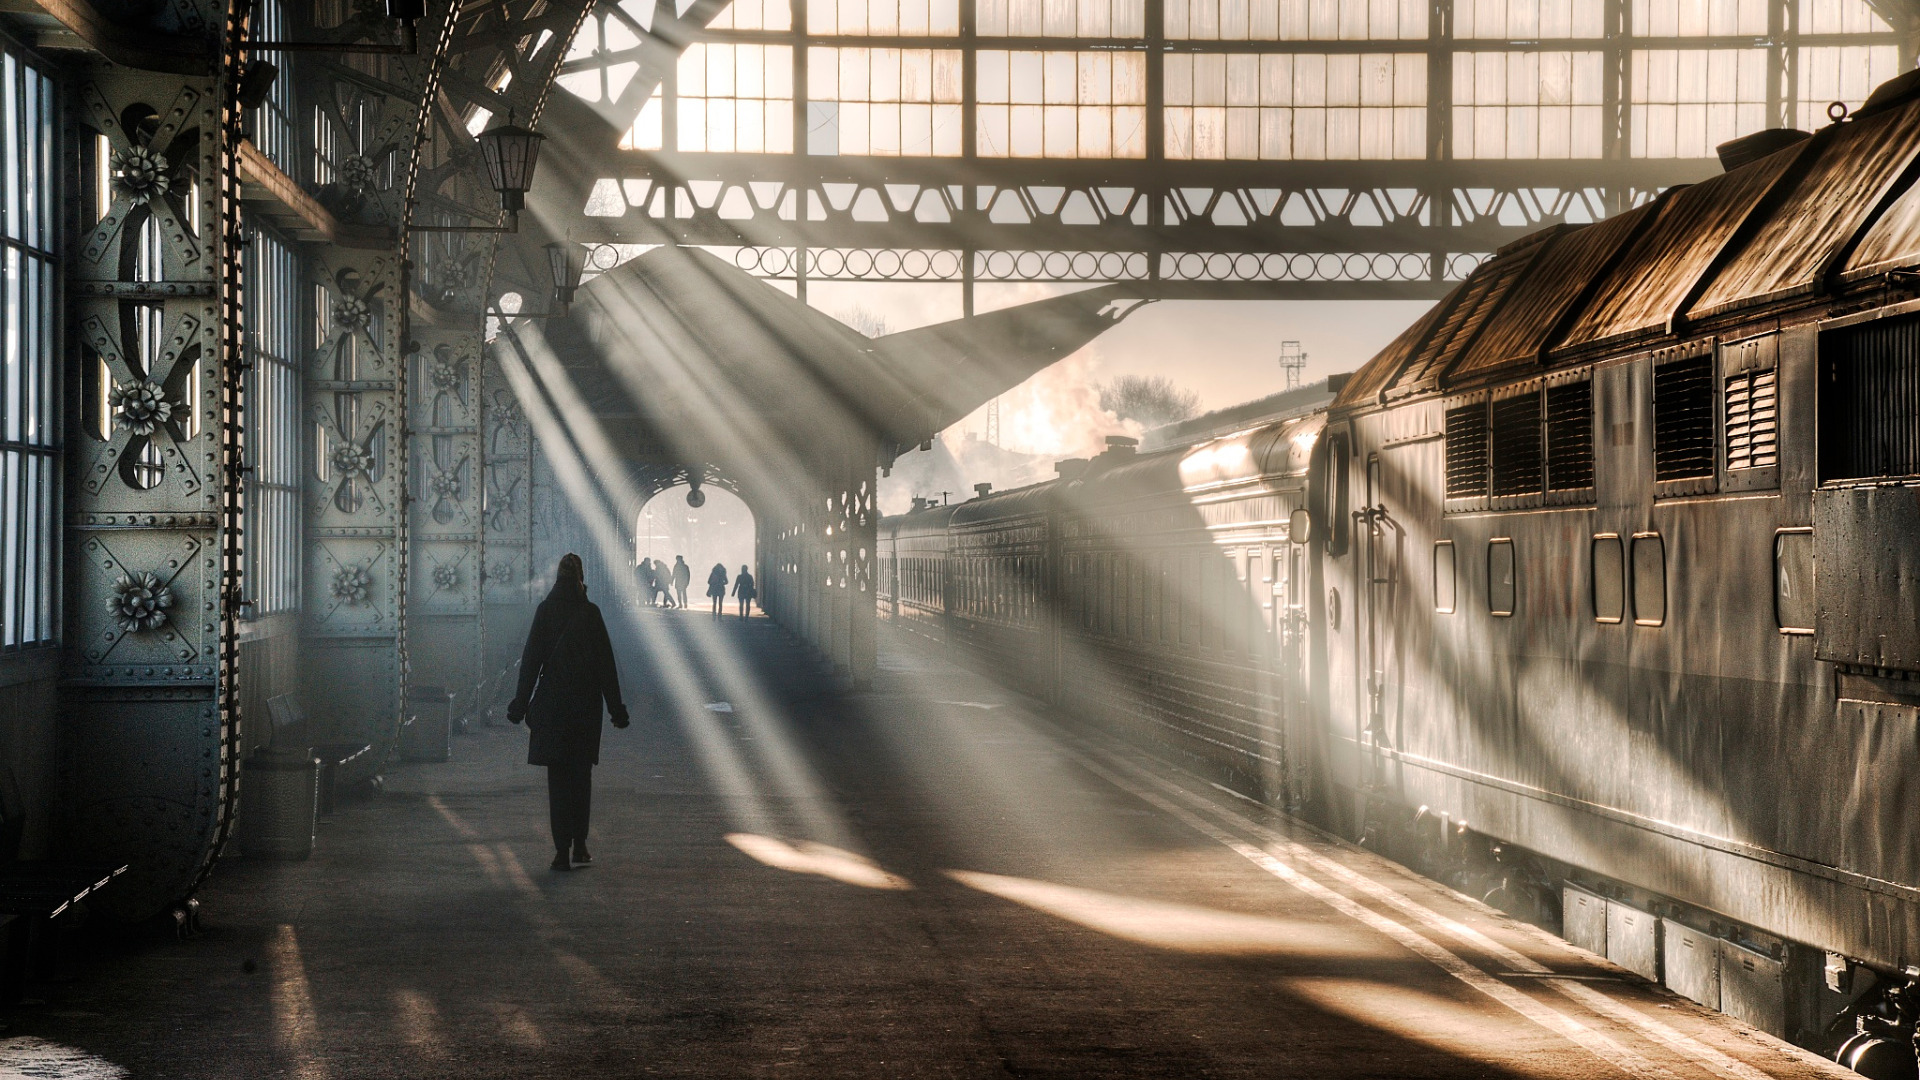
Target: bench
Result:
[34, 893]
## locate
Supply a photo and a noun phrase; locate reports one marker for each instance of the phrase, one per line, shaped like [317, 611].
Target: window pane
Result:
[1609, 580]
[1649, 580]
[1501, 588]
[1443, 577]
[1793, 580]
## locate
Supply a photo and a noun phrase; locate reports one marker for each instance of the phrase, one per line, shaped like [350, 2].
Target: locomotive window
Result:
[1793, 580]
[1443, 579]
[1501, 589]
[1869, 400]
[1570, 436]
[1683, 418]
[1517, 464]
[1467, 451]
[1649, 579]
[1609, 579]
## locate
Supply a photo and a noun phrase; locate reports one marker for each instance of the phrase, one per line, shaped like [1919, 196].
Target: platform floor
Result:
[932, 878]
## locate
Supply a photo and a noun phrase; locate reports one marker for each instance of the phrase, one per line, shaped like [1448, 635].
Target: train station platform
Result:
[930, 878]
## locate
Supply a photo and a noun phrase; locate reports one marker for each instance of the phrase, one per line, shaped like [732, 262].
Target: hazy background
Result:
[1224, 351]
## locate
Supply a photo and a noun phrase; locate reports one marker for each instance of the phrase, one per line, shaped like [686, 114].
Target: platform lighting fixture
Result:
[510, 153]
[566, 274]
[407, 13]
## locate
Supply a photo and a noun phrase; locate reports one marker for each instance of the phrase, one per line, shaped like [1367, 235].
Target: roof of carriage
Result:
[1815, 216]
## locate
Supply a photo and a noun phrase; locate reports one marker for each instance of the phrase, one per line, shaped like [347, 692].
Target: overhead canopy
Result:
[681, 356]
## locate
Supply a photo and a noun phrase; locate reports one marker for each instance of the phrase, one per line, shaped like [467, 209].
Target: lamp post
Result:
[510, 153]
[566, 275]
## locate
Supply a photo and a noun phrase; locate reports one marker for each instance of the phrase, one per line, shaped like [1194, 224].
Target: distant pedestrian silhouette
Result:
[682, 575]
[717, 587]
[649, 589]
[744, 589]
[664, 582]
[566, 672]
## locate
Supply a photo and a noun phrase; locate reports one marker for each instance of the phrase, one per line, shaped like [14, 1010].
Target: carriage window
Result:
[1122, 597]
[1649, 579]
[1609, 579]
[1793, 581]
[1443, 579]
[1138, 570]
[1500, 578]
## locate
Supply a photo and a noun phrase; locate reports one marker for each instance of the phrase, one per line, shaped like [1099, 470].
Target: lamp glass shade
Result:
[566, 278]
[510, 152]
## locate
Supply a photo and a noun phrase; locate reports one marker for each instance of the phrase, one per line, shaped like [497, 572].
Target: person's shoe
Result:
[560, 862]
[581, 856]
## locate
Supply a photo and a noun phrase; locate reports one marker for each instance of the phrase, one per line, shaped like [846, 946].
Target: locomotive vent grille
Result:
[1517, 461]
[1570, 436]
[1683, 436]
[1752, 420]
[1467, 451]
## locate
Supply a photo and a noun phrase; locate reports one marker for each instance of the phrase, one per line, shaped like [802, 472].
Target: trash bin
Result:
[426, 736]
[279, 798]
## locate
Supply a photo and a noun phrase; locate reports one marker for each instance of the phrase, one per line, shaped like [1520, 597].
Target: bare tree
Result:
[870, 323]
[1152, 400]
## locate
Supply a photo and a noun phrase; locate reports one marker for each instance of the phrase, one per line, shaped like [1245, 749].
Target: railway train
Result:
[1597, 591]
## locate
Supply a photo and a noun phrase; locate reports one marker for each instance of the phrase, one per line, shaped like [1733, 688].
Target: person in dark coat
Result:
[743, 588]
[717, 587]
[650, 589]
[566, 672]
[682, 576]
[664, 578]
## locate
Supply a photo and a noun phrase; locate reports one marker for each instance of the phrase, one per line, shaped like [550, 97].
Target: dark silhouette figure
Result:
[717, 587]
[743, 588]
[566, 671]
[682, 574]
[649, 588]
[664, 581]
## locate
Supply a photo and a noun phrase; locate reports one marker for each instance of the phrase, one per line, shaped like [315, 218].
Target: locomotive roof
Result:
[1820, 213]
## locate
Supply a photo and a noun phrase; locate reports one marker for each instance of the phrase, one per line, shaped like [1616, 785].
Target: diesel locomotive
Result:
[1597, 591]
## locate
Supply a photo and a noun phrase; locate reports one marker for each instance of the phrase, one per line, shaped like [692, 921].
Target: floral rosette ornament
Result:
[352, 313]
[352, 584]
[444, 485]
[446, 577]
[360, 173]
[140, 407]
[139, 602]
[139, 175]
[445, 374]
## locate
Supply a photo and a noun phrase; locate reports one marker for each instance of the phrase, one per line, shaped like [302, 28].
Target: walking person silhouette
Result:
[682, 575]
[744, 589]
[717, 587]
[567, 671]
[665, 581]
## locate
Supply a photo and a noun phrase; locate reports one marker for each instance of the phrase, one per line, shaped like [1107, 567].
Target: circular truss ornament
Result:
[352, 313]
[349, 458]
[446, 577]
[360, 173]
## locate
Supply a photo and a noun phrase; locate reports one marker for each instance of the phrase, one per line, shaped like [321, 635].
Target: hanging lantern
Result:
[510, 152]
[566, 274]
